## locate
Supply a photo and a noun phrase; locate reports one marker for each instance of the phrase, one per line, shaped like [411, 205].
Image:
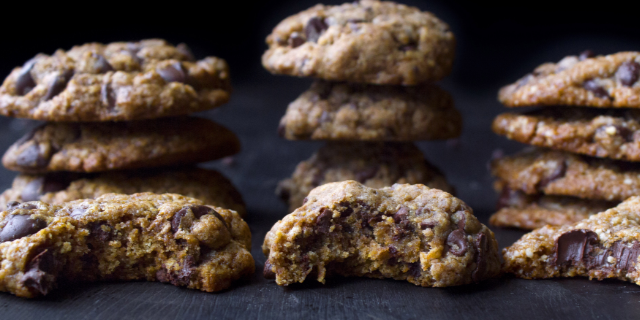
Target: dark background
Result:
[497, 43]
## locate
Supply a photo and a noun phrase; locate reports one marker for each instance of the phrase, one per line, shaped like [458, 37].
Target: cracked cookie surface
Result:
[584, 80]
[368, 41]
[93, 147]
[405, 232]
[606, 245]
[342, 111]
[373, 164]
[115, 82]
[167, 238]
[209, 186]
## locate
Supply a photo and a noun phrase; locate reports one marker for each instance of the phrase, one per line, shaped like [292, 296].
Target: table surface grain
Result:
[253, 113]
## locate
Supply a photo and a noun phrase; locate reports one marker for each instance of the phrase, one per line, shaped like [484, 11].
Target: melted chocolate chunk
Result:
[571, 246]
[20, 226]
[186, 51]
[296, 39]
[584, 55]
[267, 272]
[58, 85]
[558, 172]
[315, 28]
[31, 157]
[173, 73]
[628, 73]
[482, 246]
[39, 275]
[457, 242]
[101, 64]
[597, 90]
[24, 80]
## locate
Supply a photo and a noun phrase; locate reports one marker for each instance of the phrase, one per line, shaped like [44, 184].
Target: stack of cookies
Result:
[117, 123]
[375, 62]
[587, 141]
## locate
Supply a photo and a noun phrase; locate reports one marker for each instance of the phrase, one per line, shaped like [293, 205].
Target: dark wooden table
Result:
[254, 114]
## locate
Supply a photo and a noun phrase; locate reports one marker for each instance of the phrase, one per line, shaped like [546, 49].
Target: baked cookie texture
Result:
[375, 165]
[209, 186]
[343, 111]
[565, 174]
[368, 41]
[114, 82]
[519, 210]
[167, 238]
[585, 80]
[92, 147]
[604, 246]
[613, 133]
[405, 232]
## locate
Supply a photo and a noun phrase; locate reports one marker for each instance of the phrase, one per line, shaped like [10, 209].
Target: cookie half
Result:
[93, 147]
[519, 210]
[209, 186]
[367, 41]
[373, 164]
[566, 174]
[613, 133]
[585, 80]
[114, 82]
[405, 232]
[167, 238]
[606, 245]
[342, 111]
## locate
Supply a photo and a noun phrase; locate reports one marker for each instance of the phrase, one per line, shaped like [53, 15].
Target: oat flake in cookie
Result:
[606, 245]
[374, 164]
[167, 238]
[368, 41]
[117, 81]
[584, 80]
[343, 111]
[93, 147]
[405, 232]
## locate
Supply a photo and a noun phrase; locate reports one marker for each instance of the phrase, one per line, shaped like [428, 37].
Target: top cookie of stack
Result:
[607, 84]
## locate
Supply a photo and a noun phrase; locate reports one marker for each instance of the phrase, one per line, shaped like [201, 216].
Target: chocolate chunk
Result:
[39, 275]
[427, 224]
[512, 199]
[323, 221]
[181, 277]
[199, 211]
[366, 174]
[584, 55]
[628, 73]
[12, 205]
[415, 270]
[27, 137]
[268, 270]
[58, 84]
[31, 157]
[558, 172]
[186, 51]
[626, 256]
[24, 80]
[101, 64]
[315, 28]
[108, 96]
[173, 73]
[597, 90]
[457, 242]
[482, 246]
[304, 201]
[462, 223]
[570, 247]
[325, 117]
[401, 215]
[99, 233]
[296, 39]
[20, 226]
[33, 190]
[177, 218]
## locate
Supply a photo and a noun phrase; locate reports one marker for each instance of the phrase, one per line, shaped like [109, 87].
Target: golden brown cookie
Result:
[342, 111]
[405, 232]
[167, 238]
[117, 81]
[93, 147]
[209, 186]
[368, 41]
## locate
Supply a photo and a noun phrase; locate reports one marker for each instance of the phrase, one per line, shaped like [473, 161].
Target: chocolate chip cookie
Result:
[117, 81]
[92, 147]
[167, 238]
[374, 164]
[595, 132]
[405, 232]
[519, 210]
[584, 80]
[565, 174]
[342, 111]
[209, 186]
[606, 245]
[368, 41]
